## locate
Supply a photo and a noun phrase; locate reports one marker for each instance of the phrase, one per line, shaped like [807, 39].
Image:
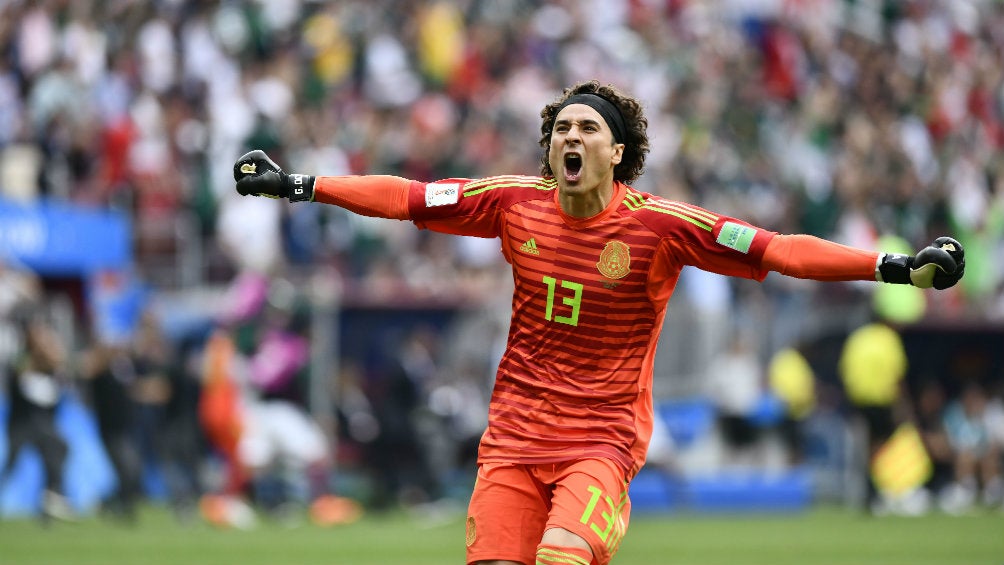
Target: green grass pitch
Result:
[824, 536]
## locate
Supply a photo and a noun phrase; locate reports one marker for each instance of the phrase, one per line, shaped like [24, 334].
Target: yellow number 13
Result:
[575, 301]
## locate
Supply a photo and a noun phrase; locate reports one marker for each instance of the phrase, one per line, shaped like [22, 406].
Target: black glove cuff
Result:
[300, 188]
[895, 268]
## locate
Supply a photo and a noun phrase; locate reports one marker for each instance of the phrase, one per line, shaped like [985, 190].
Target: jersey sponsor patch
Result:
[736, 236]
[441, 194]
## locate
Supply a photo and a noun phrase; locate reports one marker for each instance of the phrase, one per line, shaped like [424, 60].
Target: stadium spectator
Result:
[166, 415]
[109, 378]
[977, 457]
[792, 381]
[929, 417]
[594, 263]
[736, 386]
[397, 391]
[872, 366]
[993, 418]
[184, 446]
[35, 387]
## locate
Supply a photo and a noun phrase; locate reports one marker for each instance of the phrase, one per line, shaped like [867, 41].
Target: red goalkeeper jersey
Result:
[588, 307]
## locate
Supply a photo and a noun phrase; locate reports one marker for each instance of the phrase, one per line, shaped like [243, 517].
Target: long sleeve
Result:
[809, 257]
[380, 196]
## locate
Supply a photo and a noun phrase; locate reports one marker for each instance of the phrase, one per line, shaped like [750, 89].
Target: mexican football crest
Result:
[615, 260]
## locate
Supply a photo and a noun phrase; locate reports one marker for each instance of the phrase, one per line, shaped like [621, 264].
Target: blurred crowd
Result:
[848, 120]
[863, 122]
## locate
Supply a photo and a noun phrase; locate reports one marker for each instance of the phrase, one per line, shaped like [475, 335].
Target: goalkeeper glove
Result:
[939, 265]
[256, 174]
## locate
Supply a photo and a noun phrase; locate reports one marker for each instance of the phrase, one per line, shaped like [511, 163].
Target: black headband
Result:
[606, 109]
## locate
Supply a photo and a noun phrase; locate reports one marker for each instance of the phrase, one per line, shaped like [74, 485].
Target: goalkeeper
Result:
[594, 262]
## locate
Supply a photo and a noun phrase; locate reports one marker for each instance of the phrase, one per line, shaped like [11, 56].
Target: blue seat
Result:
[687, 419]
[652, 490]
[751, 491]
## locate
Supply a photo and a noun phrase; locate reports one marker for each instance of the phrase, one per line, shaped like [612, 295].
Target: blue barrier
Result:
[56, 238]
[654, 490]
[751, 491]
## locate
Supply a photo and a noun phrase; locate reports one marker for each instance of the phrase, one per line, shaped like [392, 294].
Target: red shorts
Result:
[512, 505]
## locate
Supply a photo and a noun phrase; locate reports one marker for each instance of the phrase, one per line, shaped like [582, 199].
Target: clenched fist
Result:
[256, 174]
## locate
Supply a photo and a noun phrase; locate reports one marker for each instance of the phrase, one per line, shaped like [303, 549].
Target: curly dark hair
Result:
[636, 138]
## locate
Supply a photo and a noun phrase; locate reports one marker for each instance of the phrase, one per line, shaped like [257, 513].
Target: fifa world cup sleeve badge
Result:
[615, 260]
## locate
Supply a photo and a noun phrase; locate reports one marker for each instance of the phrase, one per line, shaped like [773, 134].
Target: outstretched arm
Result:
[939, 265]
[809, 257]
[381, 196]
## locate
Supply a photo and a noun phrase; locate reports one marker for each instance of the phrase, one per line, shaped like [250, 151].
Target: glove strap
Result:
[301, 188]
[894, 268]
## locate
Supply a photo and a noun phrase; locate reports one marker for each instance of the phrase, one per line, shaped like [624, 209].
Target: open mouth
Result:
[573, 166]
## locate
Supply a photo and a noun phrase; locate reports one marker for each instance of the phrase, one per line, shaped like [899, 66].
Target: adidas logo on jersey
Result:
[530, 247]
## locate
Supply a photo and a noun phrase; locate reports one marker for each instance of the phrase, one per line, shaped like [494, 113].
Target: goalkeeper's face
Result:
[582, 153]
